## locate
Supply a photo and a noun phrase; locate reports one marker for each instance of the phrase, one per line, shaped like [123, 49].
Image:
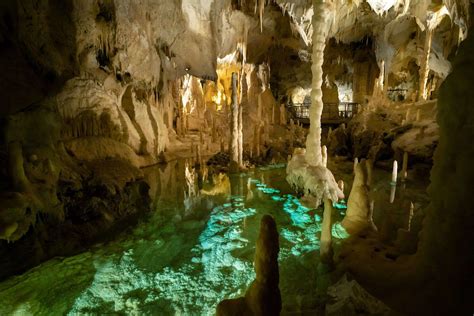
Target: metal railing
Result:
[332, 112]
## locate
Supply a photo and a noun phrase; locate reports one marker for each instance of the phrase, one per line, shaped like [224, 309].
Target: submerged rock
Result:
[349, 298]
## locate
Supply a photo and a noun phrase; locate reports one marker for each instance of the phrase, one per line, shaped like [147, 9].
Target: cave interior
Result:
[236, 157]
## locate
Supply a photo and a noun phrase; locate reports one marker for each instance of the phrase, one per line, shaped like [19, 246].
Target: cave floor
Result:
[189, 253]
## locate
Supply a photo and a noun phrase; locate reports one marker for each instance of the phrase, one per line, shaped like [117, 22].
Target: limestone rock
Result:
[358, 204]
[349, 298]
[263, 296]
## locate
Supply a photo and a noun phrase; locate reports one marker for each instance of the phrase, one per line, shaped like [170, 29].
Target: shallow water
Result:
[191, 252]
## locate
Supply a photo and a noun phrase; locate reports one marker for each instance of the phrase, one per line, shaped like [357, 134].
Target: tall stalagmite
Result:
[263, 295]
[234, 149]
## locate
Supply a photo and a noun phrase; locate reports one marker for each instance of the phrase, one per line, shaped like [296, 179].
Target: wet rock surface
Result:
[96, 206]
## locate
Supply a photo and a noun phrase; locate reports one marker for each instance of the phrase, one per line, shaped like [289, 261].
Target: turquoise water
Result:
[182, 259]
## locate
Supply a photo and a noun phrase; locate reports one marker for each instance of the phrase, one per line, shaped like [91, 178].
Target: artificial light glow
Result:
[187, 93]
[217, 99]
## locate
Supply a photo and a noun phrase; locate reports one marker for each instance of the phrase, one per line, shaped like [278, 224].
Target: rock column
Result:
[263, 296]
[313, 141]
[234, 148]
[425, 66]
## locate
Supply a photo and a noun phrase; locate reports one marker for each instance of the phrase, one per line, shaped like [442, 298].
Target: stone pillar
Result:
[313, 141]
[234, 126]
[425, 66]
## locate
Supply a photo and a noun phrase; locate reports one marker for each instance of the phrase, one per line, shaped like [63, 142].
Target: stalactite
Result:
[261, 8]
[404, 166]
[424, 65]
[313, 141]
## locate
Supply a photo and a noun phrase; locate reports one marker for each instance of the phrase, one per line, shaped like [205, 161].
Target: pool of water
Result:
[195, 249]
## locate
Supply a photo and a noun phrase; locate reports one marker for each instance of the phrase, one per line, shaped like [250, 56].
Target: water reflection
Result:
[194, 250]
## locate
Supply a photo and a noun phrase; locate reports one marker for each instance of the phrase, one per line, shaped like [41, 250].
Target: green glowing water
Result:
[183, 259]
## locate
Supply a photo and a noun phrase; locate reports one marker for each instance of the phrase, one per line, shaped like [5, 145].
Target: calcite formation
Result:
[358, 205]
[97, 93]
[263, 295]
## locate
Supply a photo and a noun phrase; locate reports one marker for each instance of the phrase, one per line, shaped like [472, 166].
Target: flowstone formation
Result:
[263, 295]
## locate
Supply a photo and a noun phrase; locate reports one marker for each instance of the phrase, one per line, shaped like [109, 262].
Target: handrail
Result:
[332, 111]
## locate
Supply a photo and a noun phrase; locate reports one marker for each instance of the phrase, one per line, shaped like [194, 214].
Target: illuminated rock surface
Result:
[141, 141]
[263, 295]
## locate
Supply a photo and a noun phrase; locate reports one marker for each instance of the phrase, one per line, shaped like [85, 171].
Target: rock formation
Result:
[358, 205]
[263, 295]
[95, 93]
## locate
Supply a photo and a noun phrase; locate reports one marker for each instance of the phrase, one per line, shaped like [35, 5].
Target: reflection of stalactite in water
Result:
[249, 190]
[221, 185]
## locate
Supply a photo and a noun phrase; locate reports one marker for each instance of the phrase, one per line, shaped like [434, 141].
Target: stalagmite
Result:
[324, 152]
[320, 27]
[273, 114]
[240, 138]
[369, 164]
[404, 166]
[213, 132]
[393, 189]
[234, 148]
[186, 126]
[340, 184]
[282, 115]
[258, 130]
[358, 204]
[326, 251]
[255, 140]
[356, 162]
[418, 115]
[263, 295]
[394, 172]
[410, 216]
[371, 216]
[199, 156]
[179, 126]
